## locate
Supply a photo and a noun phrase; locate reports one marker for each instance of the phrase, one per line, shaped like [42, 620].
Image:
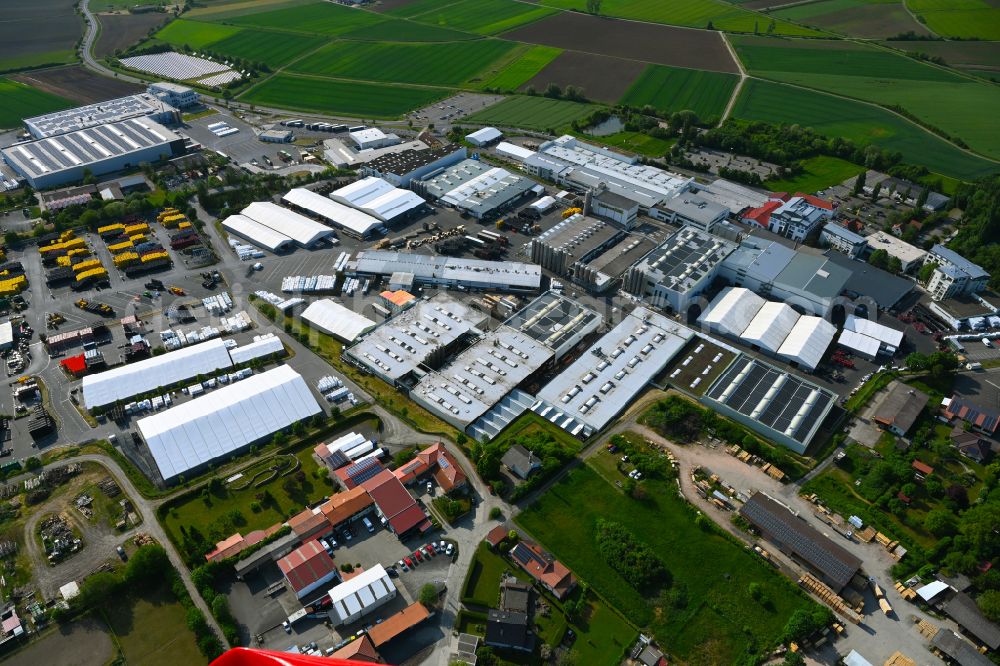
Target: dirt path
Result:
[739, 84]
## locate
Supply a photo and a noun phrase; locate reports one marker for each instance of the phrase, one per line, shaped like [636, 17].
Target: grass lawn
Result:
[486, 17]
[451, 63]
[531, 423]
[818, 173]
[152, 631]
[538, 113]
[349, 98]
[675, 89]
[859, 122]
[23, 101]
[712, 627]
[633, 142]
[521, 69]
[323, 18]
[482, 583]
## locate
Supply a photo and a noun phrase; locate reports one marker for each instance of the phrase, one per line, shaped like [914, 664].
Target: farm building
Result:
[402, 168]
[379, 199]
[909, 256]
[777, 404]
[174, 94]
[484, 137]
[955, 275]
[732, 310]
[372, 137]
[260, 235]
[218, 424]
[107, 112]
[477, 188]
[793, 536]
[868, 338]
[595, 388]
[843, 240]
[582, 166]
[809, 282]
[427, 269]
[123, 382]
[354, 222]
[678, 270]
[101, 149]
[334, 319]
[419, 338]
[307, 569]
[302, 230]
[362, 594]
[393, 503]
[900, 408]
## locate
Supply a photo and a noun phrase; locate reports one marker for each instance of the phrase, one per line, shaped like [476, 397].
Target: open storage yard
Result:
[37, 33]
[707, 615]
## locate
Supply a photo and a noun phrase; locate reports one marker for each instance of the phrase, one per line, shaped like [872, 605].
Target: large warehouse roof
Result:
[214, 425]
[262, 345]
[476, 186]
[732, 310]
[808, 341]
[334, 319]
[356, 222]
[770, 327]
[149, 374]
[434, 269]
[256, 233]
[882, 333]
[360, 192]
[557, 321]
[377, 197]
[99, 113]
[369, 588]
[299, 228]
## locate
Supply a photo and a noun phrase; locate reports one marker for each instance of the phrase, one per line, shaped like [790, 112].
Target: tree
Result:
[593, 6]
[922, 198]
[940, 522]
[553, 90]
[496, 513]
[793, 659]
[428, 595]
[894, 265]
[876, 191]
[147, 565]
[989, 603]
[32, 464]
[859, 184]
[879, 259]
[926, 271]
[97, 590]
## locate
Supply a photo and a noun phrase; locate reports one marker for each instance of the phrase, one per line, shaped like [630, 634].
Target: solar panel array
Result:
[774, 398]
[178, 66]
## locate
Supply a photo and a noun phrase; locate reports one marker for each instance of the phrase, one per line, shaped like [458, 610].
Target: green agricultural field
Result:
[693, 13]
[152, 630]
[274, 49]
[228, 9]
[195, 34]
[486, 17]
[359, 100]
[884, 77]
[978, 58]
[674, 89]
[969, 19]
[522, 69]
[22, 101]
[449, 64]
[398, 30]
[418, 7]
[863, 123]
[538, 113]
[324, 18]
[858, 18]
[818, 173]
[707, 616]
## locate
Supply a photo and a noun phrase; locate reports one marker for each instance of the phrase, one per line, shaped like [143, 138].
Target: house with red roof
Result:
[550, 572]
[353, 475]
[237, 543]
[792, 216]
[359, 650]
[436, 460]
[399, 511]
[309, 524]
[307, 569]
[496, 536]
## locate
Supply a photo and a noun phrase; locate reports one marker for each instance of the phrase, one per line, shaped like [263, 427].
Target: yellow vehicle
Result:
[176, 291]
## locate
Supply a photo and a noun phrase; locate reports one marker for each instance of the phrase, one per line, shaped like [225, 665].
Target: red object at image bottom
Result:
[248, 657]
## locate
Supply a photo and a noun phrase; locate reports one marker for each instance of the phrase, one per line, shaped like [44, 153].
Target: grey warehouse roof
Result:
[88, 146]
[476, 186]
[556, 321]
[958, 261]
[426, 268]
[92, 115]
[684, 258]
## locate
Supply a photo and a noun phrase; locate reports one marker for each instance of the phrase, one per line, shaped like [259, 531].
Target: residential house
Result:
[970, 444]
[353, 475]
[344, 506]
[793, 217]
[843, 240]
[900, 409]
[436, 460]
[309, 524]
[520, 461]
[651, 656]
[979, 419]
[509, 630]
[548, 571]
[359, 650]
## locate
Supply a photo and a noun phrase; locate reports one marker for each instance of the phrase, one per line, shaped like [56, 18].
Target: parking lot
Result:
[981, 387]
[241, 147]
[452, 110]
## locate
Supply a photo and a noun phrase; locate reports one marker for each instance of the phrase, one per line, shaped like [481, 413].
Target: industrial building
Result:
[455, 272]
[477, 188]
[732, 310]
[193, 434]
[809, 282]
[174, 94]
[402, 168]
[954, 275]
[362, 594]
[776, 404]
[308, 568]
[108, 112]
[303, 231]
[869, 339]
[276, 136]
[560, 322]
[354, 222]
[484, 137]
[734, 196]
[334, 319]
[614, 207]
[884, 289]
[372, 137]
[123, 382]
[678, 270]
[829, 561]
[100, 149]
[909, 256]
[595, 388]
[582, 166]
[567, 247]
[256, 233]
[692, 210]
[843, 240]
[794, 217]
[419, 339]
[378, 198]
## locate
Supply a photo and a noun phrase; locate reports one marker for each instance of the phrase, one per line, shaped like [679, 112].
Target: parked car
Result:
[121, 553]
[418, 556]
[402, 565]
[450, 550]
[286, 626]
[408, 562]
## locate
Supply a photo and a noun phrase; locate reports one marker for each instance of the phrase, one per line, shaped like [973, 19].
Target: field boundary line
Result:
[739, 84]
[917, 20]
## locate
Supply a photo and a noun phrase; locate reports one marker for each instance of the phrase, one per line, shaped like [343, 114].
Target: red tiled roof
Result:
[816, 201]
[447, 471]
[551, 572]
[306, 523]
[343, 505]
[780, 196]
[236, 544]
[354, 474]
[306, 565]
[394, 501]
[402, 621]
[359, 650]
[74, 364]
[761, 216]
[922, 467]
[496, 535]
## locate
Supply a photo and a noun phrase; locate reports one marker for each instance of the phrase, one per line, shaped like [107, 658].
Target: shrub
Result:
[632, 559]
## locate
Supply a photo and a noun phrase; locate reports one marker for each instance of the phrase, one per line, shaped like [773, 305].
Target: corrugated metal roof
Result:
[334, 319]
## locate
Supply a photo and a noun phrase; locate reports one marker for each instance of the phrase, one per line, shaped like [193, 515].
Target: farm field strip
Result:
[271, 48]
[519, 71]
[777, 103]
[400, 30]
[818, 173]
[487, 17]
[23, 101]
[195, 34]
[858, 18]
[672, 89]
[37, 33]
[600, 78]
[323, 18]
[967, 19]
[540, 113]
